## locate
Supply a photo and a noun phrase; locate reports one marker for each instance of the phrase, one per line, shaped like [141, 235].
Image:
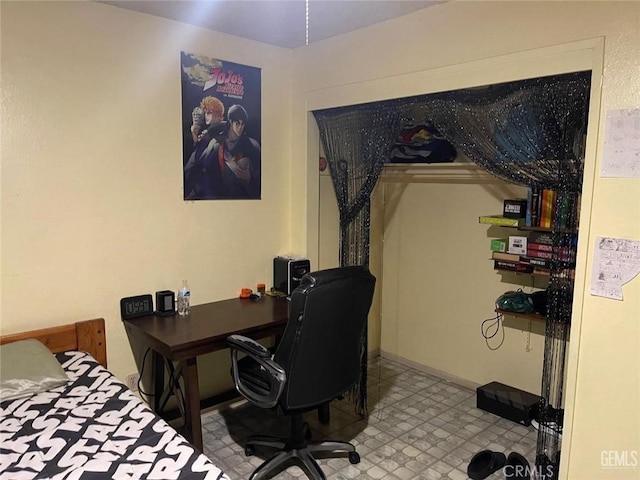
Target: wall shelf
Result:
[530, 316]
[542, 272]
[462, 172]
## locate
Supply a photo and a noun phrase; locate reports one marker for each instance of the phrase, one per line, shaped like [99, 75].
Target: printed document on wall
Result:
[616, 262]
[621, 154]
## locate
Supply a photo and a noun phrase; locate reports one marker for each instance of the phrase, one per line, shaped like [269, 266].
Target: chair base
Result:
[301, 455]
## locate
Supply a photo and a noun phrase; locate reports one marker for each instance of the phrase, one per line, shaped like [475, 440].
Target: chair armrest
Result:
[248, 346]
[275, 374]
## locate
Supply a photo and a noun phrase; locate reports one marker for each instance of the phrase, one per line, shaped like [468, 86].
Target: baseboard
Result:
[431, 371]
[228, 405]
[373, 353]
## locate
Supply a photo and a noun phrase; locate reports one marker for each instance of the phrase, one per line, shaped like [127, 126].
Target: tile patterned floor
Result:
[420, 427]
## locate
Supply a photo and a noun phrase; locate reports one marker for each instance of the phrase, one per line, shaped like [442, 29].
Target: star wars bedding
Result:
[94, 428]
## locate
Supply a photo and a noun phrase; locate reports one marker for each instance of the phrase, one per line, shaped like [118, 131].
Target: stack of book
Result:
[511, 262]
[541, 206]
[539, 258]
[534, 251]
[539, 250]
[540, 245]
[520, 263]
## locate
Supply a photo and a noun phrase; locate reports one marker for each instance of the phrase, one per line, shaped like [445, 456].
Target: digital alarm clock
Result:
[137, 306]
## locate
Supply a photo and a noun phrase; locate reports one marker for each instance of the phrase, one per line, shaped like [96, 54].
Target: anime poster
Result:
[220, 129]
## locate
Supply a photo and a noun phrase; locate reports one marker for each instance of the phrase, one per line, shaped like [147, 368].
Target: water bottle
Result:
[184, 295]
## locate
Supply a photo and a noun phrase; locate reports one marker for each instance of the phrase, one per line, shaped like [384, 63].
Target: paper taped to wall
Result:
[621, 154]
[616, 261]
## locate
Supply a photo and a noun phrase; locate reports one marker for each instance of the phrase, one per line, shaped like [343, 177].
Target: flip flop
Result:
[517, 467]
[485, 463]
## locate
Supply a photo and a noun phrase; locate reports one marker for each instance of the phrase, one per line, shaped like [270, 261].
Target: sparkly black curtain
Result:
[529, 132]
[356, 142]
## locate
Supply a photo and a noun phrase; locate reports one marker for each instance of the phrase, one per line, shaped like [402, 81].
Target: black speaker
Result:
[165, 303]
[287, 273]
[508, 402]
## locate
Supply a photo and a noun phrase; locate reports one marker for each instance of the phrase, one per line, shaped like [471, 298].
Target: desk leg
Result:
[157, 379]
[192, 402]
[324, 416]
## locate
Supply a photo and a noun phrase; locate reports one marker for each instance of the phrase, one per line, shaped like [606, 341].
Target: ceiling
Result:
[278, 22]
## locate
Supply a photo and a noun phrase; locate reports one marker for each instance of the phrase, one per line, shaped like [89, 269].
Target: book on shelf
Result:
[562, 254]
[545, 238]
[547, 208]
[562, 219]
[537, 262]
[553, 197]
[517, 244]
[527, 218]
[543, 209]
[566, 254]
[541, 271]
[540, 246]
[567, 273]
[532, 253]
[514, 208]
[507, 257]
[502, 221]
[535, 207]
[499, 244]
[517, 267]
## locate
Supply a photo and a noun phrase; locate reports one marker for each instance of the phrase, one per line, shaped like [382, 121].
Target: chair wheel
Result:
[249, 451]
[354, 457]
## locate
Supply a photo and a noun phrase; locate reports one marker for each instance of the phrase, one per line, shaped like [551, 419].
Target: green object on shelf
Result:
[499, 244]
[518, 302]
[502, 221]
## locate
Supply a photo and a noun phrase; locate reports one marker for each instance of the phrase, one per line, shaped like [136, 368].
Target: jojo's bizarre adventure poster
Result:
[221, 129]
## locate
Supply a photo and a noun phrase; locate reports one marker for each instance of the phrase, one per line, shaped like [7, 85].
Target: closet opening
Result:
[527, 134]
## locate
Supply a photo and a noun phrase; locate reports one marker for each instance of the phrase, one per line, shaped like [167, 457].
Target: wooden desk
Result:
[181, 339]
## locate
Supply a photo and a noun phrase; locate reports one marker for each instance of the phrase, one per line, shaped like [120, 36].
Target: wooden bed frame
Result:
[86, 335]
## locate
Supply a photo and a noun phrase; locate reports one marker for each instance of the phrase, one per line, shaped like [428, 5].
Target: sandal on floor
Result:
[517, 467]
[485, 463]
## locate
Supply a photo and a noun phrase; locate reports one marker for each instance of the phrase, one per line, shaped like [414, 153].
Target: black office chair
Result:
[317, 360]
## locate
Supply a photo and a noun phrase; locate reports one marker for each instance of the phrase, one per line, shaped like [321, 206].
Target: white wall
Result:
[92, 201]
[439, 284]
[387, 60]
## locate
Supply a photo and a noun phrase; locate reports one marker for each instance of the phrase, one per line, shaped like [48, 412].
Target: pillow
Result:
[28, 367]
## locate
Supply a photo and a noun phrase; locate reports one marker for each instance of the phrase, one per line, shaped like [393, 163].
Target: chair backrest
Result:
[320, 349]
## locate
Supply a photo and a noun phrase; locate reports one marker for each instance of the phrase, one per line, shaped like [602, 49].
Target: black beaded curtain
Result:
[356, 142]
[529, 132]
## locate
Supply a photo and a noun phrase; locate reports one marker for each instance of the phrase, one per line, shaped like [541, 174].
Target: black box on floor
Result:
[508, 402]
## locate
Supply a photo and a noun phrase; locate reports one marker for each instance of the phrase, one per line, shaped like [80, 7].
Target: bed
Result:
[92, 426]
